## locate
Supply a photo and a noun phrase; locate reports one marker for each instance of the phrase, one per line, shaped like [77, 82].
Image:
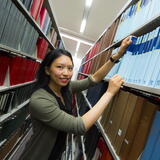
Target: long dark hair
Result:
[42, 77]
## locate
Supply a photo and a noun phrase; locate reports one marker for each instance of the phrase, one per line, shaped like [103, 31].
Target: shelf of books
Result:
[27, 31]
[17, 149]
[115, 156]
[139, 66]
[13, 130]
[129, 120]
[7, 115]
[128, 124]
[37, 15]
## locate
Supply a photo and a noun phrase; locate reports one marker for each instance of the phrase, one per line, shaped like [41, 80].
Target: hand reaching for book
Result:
[114, 84]
[125, 43]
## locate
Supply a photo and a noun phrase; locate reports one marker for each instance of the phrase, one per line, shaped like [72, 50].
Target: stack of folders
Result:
[137, 15]
[140, 64]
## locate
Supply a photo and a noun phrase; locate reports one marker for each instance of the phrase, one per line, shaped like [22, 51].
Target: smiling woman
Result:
[51, 104]
[60, 72]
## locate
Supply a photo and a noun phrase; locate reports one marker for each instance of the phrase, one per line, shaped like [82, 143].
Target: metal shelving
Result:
[82, 141]
[99, 126]
[5, 88]
[150, 90]
[15, 52]
[143, 90]
[51, 13]
[7, 115]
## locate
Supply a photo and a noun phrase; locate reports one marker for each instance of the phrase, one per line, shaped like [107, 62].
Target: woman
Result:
[50, 104]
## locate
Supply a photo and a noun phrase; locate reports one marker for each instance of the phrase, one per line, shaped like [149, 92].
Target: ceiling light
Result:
[76, 39]
[78, 45]
[88, 3]
[83, 25]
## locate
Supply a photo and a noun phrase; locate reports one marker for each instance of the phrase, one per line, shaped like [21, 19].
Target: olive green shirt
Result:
[48, 119]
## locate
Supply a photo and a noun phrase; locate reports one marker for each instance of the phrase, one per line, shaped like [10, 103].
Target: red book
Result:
[102, 148]
[36, 8]
[15, 66]
[42, 46]
[4, 64]
[43, 14]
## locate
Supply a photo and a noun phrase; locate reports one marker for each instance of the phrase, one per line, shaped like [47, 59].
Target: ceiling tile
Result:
[70, 45]
[82, 50]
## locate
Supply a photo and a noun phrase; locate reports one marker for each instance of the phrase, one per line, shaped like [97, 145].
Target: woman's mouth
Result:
[64, 80]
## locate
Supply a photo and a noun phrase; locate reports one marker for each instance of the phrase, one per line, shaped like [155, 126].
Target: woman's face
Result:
[61, 71]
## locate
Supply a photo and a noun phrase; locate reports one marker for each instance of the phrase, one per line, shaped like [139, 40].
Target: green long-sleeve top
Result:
[48, 119]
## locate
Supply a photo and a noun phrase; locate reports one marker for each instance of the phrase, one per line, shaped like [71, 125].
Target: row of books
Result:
[12, 98]
[91, 53]
[28, 4]
[12, 130]
[97, 149]
[45, 21]
[105, 41]
[107, 38]
[135, 16]
[126, 121]
[94, 64]
[17, 69]
[15, 30]
[41, 15]
[140, 64]
[34, 7]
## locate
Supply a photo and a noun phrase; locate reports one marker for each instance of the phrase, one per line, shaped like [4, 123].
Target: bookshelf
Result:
[145, 93]
[81, 137]
[13, 111]
[145, 28]
[5, 88]
[15, 52]
[21, 7]
[115, 156]
[21, 36]
[148, 26]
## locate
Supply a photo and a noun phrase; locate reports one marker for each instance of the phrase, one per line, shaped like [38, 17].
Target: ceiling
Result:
[69, 14]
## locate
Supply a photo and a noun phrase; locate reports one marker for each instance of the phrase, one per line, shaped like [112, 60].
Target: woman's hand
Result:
[114, 84]
[125, 43]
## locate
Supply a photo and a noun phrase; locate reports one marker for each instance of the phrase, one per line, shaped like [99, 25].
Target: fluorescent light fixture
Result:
[88, 3]
[83, 25]
[76, 39]
[78, 45]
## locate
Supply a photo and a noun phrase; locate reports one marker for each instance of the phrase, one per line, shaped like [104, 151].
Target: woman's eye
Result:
[70, 68]
[60, 67]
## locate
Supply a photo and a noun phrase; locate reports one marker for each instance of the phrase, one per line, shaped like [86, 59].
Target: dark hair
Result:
[42, 77]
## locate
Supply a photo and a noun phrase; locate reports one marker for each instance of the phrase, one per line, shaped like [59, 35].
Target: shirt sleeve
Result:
[80, 85]
[47, 110]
